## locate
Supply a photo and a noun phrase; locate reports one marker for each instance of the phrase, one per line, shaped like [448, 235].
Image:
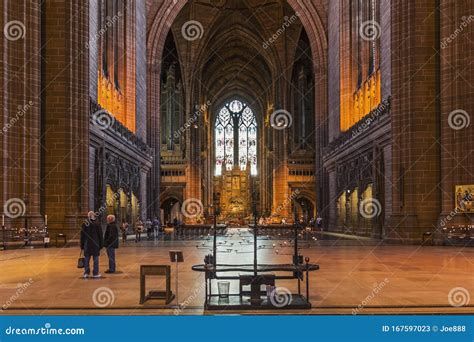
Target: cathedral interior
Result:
[350, 118]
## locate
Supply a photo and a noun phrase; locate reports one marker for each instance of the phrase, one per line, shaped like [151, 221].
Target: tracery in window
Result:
[236, 138]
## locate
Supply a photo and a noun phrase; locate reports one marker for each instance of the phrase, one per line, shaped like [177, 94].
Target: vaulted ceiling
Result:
[233, 56]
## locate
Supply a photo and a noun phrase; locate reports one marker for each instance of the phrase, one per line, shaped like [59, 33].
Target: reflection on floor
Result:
[355, 277]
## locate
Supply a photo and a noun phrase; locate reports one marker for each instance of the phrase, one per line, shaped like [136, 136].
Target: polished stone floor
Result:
[375, 278]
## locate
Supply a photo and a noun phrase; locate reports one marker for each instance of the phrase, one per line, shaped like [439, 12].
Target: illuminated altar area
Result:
[235, 189]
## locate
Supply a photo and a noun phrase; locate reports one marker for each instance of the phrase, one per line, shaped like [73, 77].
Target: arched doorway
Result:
[170, 209]
[304, 209]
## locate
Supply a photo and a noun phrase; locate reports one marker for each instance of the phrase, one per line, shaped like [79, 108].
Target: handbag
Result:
[80, 261]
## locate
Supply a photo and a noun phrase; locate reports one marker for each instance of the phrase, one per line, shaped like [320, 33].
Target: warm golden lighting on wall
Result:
[364, 100]
[114, 102]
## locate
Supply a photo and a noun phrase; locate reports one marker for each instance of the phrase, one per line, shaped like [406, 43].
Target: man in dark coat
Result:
[91, 244]
[111, 241]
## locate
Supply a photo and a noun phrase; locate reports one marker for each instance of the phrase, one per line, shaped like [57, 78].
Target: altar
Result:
[235, 187]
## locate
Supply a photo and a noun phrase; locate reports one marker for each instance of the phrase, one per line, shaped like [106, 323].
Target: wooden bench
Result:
[63, 237]
[155, 270]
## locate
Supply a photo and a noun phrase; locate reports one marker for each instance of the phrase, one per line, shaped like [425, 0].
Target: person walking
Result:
[159, 228]
[154, 227]
[91, 243]
[124, 230]
[111, 242]
[138, 230]
[149, 229]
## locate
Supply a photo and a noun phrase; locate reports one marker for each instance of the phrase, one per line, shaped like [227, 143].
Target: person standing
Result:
[149, 229]
[91, 243]
[138, 230]
[319, 222]
[154, 225]
[159, 228]
[111, 242]
[124, 229]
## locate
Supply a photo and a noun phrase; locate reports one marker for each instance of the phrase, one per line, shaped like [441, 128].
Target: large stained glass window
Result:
[236, 138]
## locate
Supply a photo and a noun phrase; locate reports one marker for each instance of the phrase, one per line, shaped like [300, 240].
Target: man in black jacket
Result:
[111, 241]
[91, 244]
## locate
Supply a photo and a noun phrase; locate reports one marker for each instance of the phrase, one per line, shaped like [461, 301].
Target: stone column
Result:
[66, 113]
[20, 130]
[415, 120]
[457, 106]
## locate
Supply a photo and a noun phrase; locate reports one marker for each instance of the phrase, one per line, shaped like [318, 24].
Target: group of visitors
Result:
[92, 241]
[263, 221]
[151, 227]
[313, 223]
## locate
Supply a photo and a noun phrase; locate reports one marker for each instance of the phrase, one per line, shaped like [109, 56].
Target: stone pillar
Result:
[457, 105]
[415, 120]
[66, 113]
[281, 192]
[141, 70]
[333, 196]
[20, 130]
[153, 135]
[143, 192]
[335, 66]
[194, 172]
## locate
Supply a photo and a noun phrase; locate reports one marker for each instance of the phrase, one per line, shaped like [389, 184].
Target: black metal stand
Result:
[4, 237]
[216, 198]
[46, 237]
[26, 238]
[214, 244]
[256, 281]
[255, 275]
